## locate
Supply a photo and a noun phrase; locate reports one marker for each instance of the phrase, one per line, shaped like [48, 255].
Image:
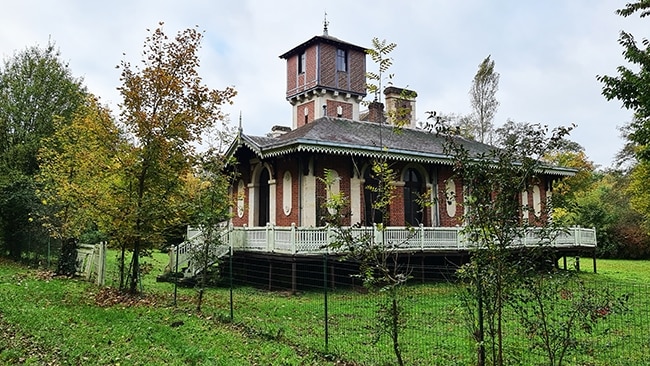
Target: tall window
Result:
[371, 214]
[413, 213]
[302, 62]
[341, 60]
[263, 202]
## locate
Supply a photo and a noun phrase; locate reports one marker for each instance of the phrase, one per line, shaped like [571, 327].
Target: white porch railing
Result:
[295, 240]
[181, 256]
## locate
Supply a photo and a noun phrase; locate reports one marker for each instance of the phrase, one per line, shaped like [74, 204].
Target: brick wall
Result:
[300, 113]
[345, 107]
[290, 165]
[299, 82]
[342, 166]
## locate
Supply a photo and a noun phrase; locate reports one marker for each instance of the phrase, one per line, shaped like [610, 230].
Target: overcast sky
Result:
[547, 52]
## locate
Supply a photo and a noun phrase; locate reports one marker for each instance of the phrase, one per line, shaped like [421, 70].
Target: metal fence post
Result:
[232, 316]
[326, 320]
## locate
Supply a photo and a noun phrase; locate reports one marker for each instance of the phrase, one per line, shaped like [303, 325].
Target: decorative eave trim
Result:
[364, 151]
[558, 171]
[243, 140]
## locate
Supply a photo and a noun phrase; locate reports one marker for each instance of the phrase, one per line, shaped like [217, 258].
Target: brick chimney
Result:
[375, 112]
[400, 106]
[277, 131]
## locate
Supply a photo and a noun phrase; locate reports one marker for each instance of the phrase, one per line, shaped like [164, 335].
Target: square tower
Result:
[325, 77]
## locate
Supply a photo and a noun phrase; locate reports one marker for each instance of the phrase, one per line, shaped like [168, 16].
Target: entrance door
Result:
[413, 212]
[263, 202]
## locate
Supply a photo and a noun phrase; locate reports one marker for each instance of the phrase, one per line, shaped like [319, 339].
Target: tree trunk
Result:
[135, 270]
[122, 257]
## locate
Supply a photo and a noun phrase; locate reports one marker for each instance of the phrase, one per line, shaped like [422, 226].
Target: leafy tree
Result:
[379, 54]
[379, 266]
[632, 84]
[76, 166]
[165, 109]
[483, 100]
[380, 270]
[567, 190]
[36, 88]
[211, 207]
[638, 188]
[493, 180]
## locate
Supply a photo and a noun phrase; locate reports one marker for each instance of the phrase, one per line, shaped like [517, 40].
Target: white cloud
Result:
[548, 53]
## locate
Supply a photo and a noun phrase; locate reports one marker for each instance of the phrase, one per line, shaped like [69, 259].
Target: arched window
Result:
[413, 190]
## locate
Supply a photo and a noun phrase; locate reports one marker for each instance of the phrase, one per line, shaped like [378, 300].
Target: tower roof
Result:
[321, 39]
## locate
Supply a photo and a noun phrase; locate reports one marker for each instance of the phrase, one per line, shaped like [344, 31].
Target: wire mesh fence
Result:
[319, 304]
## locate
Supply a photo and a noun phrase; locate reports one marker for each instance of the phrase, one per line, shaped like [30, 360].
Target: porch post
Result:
[421, 237]
[355, 199]
[272, 201]
[270, 237]
[252, 198]
[293, 238]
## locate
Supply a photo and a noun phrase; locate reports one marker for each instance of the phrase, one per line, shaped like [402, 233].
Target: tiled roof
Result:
[347, 137]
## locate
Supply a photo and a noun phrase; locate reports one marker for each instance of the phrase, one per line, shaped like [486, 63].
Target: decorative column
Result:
[356, 185]
[272, 201]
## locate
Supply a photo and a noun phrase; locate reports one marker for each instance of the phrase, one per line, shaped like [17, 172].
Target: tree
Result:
[557, 311]
[36, 88]
[76, 164]
[379, 54]
[380, 269]
[211, 208]
[632, 84]
[483, 100]
[165, 108]
[493, 223]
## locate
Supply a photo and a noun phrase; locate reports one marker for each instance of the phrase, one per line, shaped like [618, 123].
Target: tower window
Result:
[341, 60]
[302, 62]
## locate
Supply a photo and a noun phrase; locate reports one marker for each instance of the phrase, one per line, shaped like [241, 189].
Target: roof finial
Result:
[240, 128]
[325, 24]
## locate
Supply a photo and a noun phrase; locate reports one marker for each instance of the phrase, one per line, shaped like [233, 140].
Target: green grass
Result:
[632, 271]
[58, 320]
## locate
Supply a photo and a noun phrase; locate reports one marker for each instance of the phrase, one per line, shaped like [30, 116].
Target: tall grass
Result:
[61, 317]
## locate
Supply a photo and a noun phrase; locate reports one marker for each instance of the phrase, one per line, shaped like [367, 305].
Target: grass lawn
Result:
[48, 320]
[632, 271]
